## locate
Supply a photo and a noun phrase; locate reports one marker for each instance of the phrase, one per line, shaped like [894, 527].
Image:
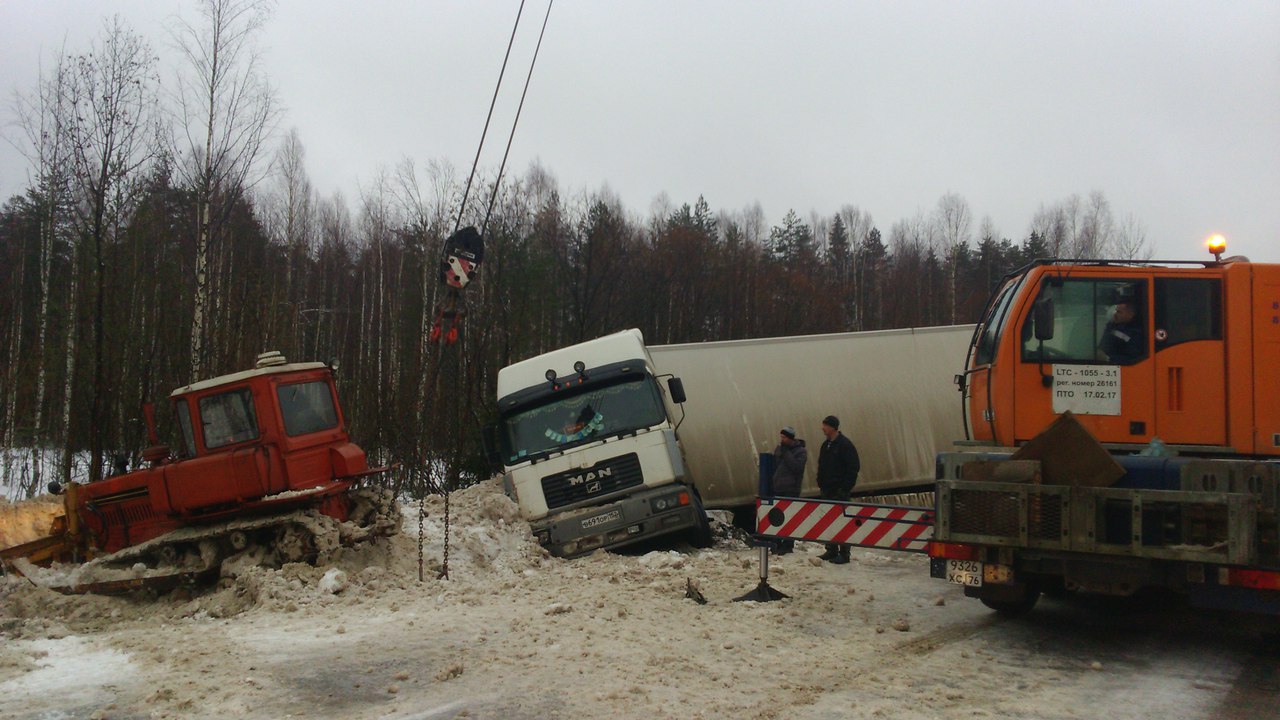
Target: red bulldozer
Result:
[265, 475]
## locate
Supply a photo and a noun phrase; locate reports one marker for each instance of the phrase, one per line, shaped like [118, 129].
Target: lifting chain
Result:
[422, 516]
[444, 568]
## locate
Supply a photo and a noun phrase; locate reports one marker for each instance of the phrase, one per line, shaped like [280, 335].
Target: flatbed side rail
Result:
[888, 527]
[1188, 526]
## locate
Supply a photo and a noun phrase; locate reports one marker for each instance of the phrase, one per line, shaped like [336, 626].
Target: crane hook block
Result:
[463, 253]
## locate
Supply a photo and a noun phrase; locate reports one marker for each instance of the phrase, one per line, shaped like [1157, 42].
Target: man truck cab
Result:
[588, 450]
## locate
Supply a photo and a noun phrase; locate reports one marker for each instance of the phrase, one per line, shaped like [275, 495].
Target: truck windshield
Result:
[993, 323]
[564, 421]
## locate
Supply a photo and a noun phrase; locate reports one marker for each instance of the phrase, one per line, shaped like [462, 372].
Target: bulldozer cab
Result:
[286, 405]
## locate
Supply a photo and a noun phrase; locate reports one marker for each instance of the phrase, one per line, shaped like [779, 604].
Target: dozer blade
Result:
[160, 584]
[23, 567]
[35, 551]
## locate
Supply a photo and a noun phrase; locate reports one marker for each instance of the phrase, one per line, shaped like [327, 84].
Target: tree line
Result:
[167, 238]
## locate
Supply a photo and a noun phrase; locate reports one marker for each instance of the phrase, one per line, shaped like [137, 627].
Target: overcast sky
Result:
[1171, 109]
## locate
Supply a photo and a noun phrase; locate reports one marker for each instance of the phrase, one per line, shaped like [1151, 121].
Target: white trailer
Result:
[893, 391]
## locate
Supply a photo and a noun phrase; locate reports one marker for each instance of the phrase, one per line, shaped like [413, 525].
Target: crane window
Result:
[1094, 321]
[1187, 309]
[228, 418]
[307, 408]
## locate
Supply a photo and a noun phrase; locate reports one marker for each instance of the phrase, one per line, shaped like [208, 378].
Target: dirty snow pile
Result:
[514, 633]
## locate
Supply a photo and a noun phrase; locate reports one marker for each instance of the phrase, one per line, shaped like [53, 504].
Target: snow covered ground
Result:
[516, 634]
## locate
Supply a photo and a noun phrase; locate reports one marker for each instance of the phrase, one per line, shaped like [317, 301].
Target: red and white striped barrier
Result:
[879, 526]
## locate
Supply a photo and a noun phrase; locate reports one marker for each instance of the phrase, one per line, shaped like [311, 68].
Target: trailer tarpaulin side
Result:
[891, 389]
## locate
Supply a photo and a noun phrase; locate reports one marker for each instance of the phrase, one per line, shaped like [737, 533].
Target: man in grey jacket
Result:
[790, 458]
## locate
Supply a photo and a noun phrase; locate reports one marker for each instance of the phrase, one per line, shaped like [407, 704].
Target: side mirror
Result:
[677, 390]
[1043, 315]
[489, 437]
[55, 488]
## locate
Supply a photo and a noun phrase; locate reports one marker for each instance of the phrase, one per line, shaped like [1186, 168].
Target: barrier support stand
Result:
[763, 592]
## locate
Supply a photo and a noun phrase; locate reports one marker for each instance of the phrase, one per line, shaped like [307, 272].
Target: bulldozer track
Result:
[192, 554]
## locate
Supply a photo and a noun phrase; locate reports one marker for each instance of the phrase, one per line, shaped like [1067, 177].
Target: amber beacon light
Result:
[1217, 246]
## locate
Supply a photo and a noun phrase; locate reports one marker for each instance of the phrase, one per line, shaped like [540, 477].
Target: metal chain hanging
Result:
[422, 516]
[444, 567]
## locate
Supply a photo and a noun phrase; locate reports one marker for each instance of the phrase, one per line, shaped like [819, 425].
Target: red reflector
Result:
[684, 498]
[952, 551]
[1259, 579]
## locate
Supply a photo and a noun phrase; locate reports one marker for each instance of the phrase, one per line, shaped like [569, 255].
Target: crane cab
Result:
[1188, 353]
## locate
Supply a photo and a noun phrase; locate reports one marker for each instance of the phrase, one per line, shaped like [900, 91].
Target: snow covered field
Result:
[516, 634]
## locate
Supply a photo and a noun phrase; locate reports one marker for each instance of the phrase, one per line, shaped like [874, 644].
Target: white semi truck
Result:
[587, 444]
[588, 448]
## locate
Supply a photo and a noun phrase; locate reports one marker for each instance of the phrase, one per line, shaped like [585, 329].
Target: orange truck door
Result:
[1191, 401]
[1097, 368]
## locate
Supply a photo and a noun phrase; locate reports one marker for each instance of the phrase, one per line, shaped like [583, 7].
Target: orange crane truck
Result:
[1173, 368]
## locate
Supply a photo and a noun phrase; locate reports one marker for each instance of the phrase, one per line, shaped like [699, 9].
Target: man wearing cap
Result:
[838, 467]
[790, 458]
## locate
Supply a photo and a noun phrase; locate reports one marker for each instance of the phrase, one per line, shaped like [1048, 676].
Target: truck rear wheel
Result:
[1012, 601]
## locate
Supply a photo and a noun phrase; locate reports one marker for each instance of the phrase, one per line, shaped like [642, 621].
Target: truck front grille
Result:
[599, 480]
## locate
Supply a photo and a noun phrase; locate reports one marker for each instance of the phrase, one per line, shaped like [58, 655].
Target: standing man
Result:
[790, 457]
[838, 467]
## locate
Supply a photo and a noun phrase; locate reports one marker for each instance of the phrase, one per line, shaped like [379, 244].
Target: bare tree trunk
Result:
[69, 371]
[14, 352]
[48, 227]
[198, 358]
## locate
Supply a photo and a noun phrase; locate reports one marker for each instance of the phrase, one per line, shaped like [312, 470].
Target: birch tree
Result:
[43, 117]
[225, 112]
[954, 223]
[111, 94]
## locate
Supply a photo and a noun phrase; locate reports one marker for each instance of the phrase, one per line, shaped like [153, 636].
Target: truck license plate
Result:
[601, 519]
[965, 572]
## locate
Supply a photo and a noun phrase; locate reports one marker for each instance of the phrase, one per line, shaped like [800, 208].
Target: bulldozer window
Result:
[184, 421]
[307, 408]
[228, 418]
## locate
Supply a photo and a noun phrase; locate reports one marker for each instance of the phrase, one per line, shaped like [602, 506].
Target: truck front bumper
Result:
[640, 516]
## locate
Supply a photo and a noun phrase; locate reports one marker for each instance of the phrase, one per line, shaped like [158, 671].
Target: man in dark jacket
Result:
[790, 457]
[838, 467]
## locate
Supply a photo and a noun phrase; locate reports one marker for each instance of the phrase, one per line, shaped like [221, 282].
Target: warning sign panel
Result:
[1086, 389]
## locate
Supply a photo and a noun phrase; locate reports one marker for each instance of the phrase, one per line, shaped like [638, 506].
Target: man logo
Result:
[593, 487]
[589, 476]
